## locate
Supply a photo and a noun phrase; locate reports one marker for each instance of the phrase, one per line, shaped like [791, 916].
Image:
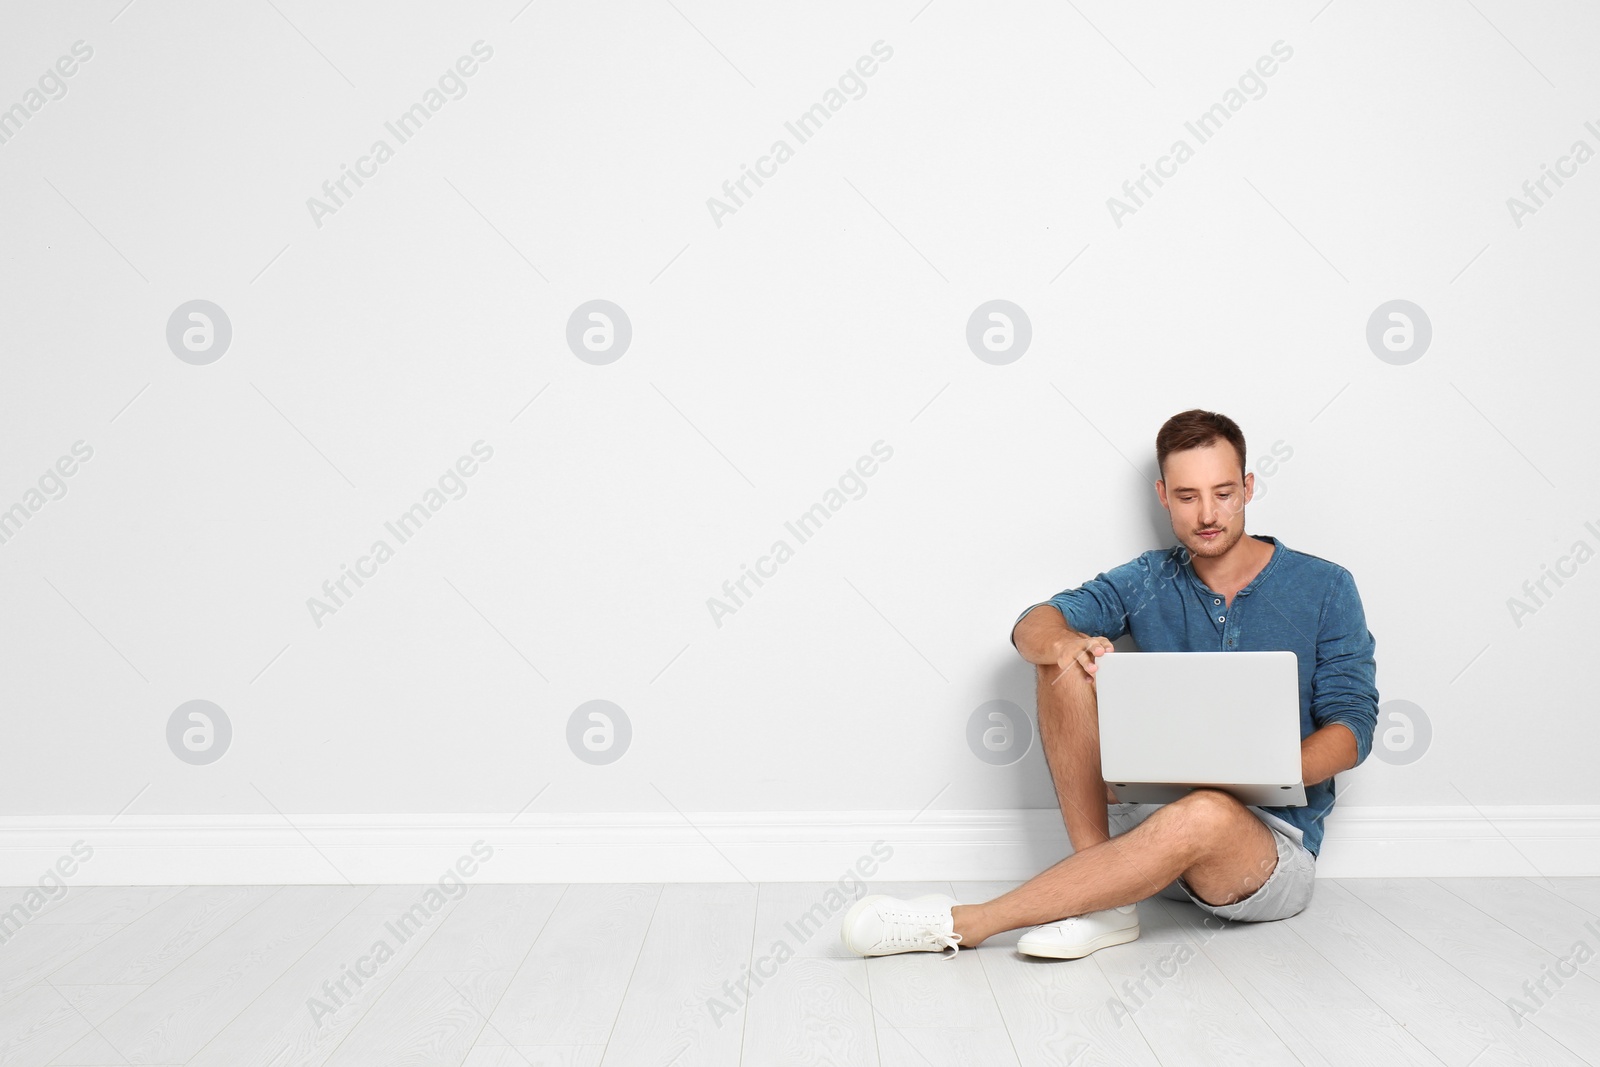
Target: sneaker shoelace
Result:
[913, 931]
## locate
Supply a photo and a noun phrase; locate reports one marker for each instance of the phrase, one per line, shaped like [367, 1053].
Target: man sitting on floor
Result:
[1216, 590]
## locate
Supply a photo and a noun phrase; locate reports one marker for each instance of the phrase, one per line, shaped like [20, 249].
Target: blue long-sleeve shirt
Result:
[1298, 602]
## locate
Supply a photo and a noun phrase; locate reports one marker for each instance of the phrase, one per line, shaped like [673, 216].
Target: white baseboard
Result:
[976, 845]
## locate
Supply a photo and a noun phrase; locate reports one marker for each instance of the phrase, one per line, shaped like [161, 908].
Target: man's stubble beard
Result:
[1198, 546]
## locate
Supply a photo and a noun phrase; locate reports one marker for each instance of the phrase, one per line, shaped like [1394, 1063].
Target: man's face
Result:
[1201, 493]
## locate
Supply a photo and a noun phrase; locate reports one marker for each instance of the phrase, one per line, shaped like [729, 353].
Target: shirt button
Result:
[1216, 601]
[1222, 618]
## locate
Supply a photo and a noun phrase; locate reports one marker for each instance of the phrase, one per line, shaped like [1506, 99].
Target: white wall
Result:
[769, 353]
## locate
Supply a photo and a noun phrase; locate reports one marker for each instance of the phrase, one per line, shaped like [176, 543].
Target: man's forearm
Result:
[1038, 635]
[1326, 752]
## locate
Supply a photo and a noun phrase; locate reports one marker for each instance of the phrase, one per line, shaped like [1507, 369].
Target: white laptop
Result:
[1172, 721]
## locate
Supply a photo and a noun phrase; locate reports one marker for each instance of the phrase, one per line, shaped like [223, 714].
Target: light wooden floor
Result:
[1375, 971]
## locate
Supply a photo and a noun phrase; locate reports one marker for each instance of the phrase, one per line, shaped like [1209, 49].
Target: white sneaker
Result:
[1069, 939]
[879, 925]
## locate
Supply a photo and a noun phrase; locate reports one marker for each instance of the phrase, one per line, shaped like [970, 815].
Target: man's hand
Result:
[1080, 654]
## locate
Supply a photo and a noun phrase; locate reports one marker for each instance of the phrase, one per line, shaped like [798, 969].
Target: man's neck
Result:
[1233, 571]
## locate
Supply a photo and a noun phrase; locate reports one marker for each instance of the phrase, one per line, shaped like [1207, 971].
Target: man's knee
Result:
[1073, 668]
[1208, 813]
[1056, 691]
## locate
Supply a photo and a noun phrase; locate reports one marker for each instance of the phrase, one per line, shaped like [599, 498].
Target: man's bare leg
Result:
[1223, 851]
[1069, 733]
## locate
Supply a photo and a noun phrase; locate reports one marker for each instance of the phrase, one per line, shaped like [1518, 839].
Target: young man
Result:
[1217, 590]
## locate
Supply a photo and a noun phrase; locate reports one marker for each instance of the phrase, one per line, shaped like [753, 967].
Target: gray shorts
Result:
[1286, 891]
